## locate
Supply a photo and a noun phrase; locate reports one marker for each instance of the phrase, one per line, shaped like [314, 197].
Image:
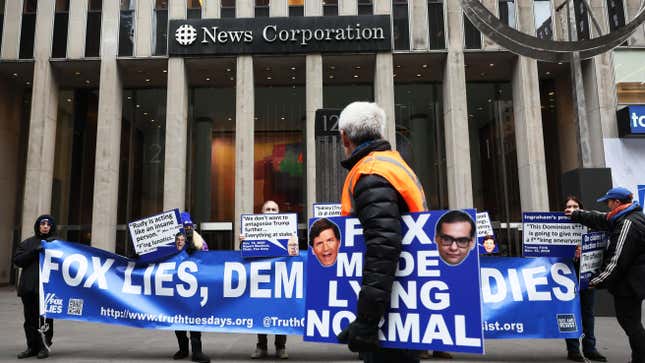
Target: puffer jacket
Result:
[26, 257]
[379, 207]
[623, 270]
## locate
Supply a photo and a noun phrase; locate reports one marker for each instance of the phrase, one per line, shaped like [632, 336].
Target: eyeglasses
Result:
[447, 241]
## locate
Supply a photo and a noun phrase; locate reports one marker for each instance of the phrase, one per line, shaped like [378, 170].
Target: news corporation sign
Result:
[355, 34]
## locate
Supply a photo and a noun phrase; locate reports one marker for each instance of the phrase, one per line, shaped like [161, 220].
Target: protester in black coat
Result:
[27, 258]
[623, 270]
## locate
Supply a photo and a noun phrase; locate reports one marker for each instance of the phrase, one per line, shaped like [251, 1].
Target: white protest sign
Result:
[269, 234]
[591, 257]
[550, 234]
[154, 231]
[484, 227]
[324, 210]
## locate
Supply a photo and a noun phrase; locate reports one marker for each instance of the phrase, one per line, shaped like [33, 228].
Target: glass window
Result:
[493, 153]
[126, 28]
[472, 36]
[365, 7]
[582, 19]
[296, 7]
[228, 9]
[279, 147]
[435, 24]
[616, 14]
[194, 9]
[141, 166]
[401, 25]
[507, 12]
[93, 34]
[330, 7]
[28, 29]
[1, 19]
[160, 23]
[73, 179]
[543, 23]
[261, 8]
[61, 19]
[420, 137]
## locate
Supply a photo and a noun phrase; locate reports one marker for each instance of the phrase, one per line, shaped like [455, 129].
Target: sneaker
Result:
[44, 353]
[181, 354]
[281, 353]
[595, 356]
[575, 356]
[27, 353]
[440, 354]
[259, 353]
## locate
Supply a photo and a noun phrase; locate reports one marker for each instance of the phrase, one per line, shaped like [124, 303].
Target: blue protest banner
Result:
[550, 234]
[206, 291]
[269, 235]
[591, 257]
[641, 194]
[532, 298]
[435, 296]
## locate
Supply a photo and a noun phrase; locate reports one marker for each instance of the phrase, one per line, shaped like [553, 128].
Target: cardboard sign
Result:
[550, 234]
[593, 251]
[155, 231]
[269, 235]
[324, 210]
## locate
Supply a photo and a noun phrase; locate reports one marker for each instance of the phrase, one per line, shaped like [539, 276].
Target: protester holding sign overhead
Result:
[624, 261]
[587, 297]
[379, 188]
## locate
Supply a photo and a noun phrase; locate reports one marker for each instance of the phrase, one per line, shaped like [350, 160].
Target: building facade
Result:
[100, 126]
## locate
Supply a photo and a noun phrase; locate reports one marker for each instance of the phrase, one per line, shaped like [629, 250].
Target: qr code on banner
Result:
[75, 307]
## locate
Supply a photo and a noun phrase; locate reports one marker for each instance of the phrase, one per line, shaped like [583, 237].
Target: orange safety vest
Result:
[391, 166]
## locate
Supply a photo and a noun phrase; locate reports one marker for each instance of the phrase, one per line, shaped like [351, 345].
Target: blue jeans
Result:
[587, 298]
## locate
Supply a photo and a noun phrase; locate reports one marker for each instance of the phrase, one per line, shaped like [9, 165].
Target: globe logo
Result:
[186, 35]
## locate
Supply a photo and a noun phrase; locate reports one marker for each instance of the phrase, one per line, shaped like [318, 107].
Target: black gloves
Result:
[190, 248]
[361, 336]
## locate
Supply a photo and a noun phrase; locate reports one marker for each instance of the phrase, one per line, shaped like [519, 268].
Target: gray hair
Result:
[362, 121]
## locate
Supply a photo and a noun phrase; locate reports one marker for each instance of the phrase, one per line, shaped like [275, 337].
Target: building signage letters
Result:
[631, 121]
[279, 35]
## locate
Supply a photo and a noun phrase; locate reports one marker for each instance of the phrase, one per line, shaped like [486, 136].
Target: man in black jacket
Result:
[379, 188]
[27, 258]
[623, 270]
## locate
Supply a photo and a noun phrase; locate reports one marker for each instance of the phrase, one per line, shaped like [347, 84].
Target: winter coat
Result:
[26, 257]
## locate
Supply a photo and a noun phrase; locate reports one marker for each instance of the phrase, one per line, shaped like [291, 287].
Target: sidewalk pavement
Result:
[90, 342]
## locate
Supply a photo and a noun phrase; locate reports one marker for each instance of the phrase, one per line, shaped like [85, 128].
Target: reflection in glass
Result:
[616, 14]
[160, 24]
[261, 8]
[330, 7]
[472, 36]
[401, 25]
[296, 7]
[507, 12]
[420, 137]
[93, 29]
[543, 23]
[73, 179]
[228, 9]
[126, 28]
[141, 166]
[194, 9]
[59, 39]
[27, 30]
[435, 24]
[365, 7]
[279, 161]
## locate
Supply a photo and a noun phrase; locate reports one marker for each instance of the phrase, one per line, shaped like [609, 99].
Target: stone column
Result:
[42, 124]
[11, 29]
[244, 126]
[350, 7]
[531, 164]
[493, 7]
[211, 9]
[108, 134]
[278, 8]
[174, 191]
[600, 89]
[144, 31]
[76, 29]
[455, 112]
[384, 80]
[314, 94]
[419, 25]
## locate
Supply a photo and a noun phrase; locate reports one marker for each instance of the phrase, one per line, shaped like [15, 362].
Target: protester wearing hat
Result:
[623, 269]
[39, 335]
[194, 241]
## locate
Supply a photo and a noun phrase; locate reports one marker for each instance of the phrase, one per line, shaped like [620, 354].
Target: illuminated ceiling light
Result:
[228, 69]
[489, 100]
[424, 66]
[282, 118]
[471, 115]
[560, 63]
[548, 73]
[394, 75]
[332, 67]
[230, 118]
[138, 106]
[77, 73]
[153, 120]
[480, 108]
[551, 93]
[15, 74]
[418, 75]
[269, 77]
[129, 97]
[27, 83]
[69, 100]
[491, 64]
[293, 68]
[268, 69]
[397, 66]
[145, 114]
[293, 77]
[165, 71]
[331, 76]
[482, 74]
[87, 81]
[232, 78]
[208, 78]
[357, 67]
[147, 79]
[356, 76]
